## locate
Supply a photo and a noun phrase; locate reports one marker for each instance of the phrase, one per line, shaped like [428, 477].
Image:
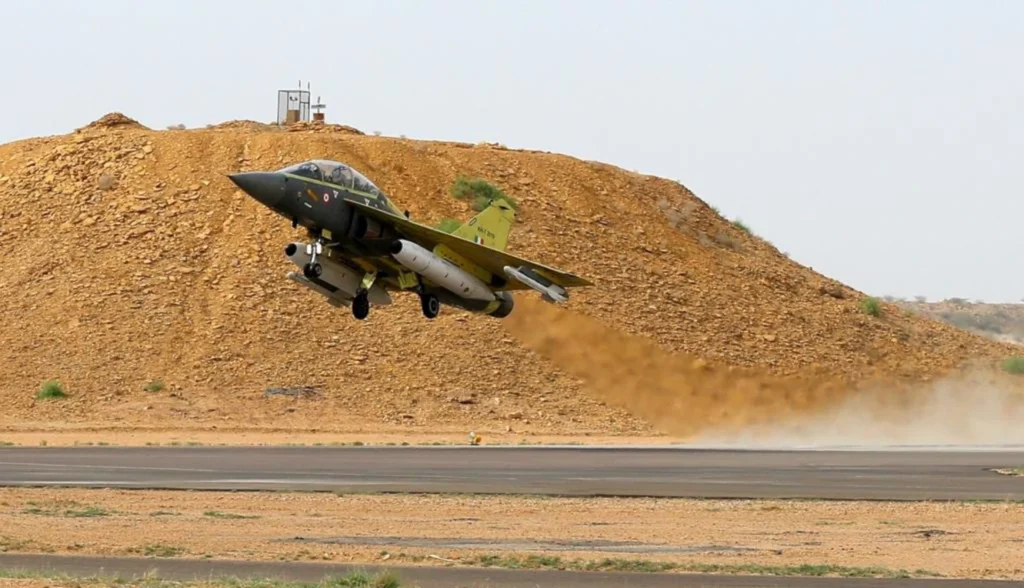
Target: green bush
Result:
[479, 193]
[50, 390]
[871, 306]
[1014, 365]
[448, 225]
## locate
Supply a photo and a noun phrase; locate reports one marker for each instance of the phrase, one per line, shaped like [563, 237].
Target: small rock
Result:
[106, 182]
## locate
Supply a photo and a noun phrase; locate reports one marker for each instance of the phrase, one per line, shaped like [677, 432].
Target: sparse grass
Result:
[9, 544]
[1014, 365]
[639, 565]
[871, 305]
[155, 386]
[71, 510]
[227, 515]
[1015, 472]
[157, 550]
[479, 193]
[151, 580]
[741, 226]
[51, 390]
[448, 225]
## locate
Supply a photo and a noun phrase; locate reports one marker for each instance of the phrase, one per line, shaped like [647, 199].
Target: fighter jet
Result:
[363, 247]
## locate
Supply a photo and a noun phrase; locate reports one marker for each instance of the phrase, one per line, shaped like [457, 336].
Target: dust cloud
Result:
[710, 405]
[967, 411]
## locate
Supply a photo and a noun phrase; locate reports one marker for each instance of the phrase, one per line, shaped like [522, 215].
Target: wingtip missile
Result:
[549, 292]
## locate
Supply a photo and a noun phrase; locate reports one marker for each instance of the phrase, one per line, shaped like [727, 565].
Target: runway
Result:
[940, 474]
[442, 577]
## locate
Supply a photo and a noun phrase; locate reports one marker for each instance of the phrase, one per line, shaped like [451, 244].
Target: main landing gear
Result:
[430, 304]
[361, 303]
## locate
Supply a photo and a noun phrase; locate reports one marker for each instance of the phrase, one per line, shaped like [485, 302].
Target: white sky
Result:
[878, 142]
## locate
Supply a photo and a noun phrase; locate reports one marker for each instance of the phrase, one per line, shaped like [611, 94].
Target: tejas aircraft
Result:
[362, 246]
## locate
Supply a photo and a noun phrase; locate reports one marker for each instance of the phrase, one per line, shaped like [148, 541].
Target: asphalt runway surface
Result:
[444, 577]
[940, 474]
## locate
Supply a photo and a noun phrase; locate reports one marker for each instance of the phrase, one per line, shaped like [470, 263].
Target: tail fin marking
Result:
[491, 226]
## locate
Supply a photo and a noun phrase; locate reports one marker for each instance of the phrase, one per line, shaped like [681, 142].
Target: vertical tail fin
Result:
[491, 227]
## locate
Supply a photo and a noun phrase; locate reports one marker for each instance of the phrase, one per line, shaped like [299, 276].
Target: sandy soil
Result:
[128, 437]
[166, 286]
[954, 539]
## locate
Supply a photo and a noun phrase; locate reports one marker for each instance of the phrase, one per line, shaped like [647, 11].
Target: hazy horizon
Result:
[878, 143]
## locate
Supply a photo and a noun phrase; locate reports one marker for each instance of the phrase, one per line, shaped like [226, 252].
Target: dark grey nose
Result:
[266, 187]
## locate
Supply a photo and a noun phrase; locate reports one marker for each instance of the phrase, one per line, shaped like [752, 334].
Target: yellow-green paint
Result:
[407, 280]
[445, 252]
[369, 279]
[491, 227]
[487, 258]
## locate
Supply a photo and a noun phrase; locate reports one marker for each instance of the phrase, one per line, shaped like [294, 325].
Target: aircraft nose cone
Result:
[266, 187]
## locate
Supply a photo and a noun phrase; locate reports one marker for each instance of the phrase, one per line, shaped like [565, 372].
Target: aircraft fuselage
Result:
[317, 198]
[317, 195]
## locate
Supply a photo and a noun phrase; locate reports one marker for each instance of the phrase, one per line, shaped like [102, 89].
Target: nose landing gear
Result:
[313, 269]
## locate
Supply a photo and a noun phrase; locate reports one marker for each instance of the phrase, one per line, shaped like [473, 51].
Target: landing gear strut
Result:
[313, 269]
[361, 303]
[430, 304]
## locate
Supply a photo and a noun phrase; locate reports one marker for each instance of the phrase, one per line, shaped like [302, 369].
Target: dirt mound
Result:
[321, 127]
[114, 120]
[245, 125]
[132, 259]
[999, 321]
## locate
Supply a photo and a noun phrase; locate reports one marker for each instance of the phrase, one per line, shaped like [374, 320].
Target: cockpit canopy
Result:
[334, 172]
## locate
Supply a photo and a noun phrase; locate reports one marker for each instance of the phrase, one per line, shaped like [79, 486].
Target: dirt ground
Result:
[166, 288]
[135, 437]
[953, 539]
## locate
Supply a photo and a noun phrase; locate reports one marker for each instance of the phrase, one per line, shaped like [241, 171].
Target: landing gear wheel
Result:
[430, 304]
[361, 306]
[312, 270]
